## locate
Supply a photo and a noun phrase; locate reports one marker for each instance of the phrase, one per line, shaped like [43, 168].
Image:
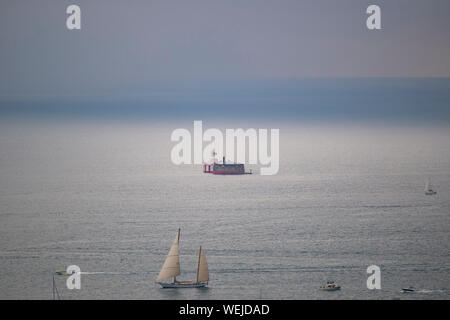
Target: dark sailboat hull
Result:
[178, 285]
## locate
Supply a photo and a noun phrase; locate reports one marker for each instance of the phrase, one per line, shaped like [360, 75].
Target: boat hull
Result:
[229, 173]
[225, 169]
[180, 285]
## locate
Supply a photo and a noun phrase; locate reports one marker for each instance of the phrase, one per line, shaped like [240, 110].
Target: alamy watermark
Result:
[374, 280]
[74, 279]
[235, 139]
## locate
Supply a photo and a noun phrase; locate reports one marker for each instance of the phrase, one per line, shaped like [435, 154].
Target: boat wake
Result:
[422, 291]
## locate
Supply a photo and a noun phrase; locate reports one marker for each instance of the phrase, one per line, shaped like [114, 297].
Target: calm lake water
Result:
[106, 197]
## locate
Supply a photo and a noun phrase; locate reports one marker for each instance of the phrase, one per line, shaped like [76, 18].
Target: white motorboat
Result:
[330, 286]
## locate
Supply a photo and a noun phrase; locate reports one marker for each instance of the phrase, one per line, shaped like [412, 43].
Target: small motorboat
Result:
[61, 273]
[330, 286]
[409, 289]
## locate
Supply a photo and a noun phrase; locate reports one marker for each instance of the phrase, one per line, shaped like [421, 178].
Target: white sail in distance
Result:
[202, 270]
[428, 186]
[171, 267]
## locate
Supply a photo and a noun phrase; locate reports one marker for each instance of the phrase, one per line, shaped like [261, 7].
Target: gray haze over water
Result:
[382, 100]
[132, 46]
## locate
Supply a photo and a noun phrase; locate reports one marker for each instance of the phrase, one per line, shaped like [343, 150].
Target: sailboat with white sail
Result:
[429, 189]
[171, 268]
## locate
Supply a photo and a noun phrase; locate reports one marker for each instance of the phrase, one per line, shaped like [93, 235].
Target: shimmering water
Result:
[106, 197]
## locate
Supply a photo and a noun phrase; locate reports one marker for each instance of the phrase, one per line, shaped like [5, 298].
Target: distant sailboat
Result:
[429, 189]
[171, 268]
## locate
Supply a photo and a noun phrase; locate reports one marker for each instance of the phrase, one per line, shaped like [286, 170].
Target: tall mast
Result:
[198, 265]
[178, 240]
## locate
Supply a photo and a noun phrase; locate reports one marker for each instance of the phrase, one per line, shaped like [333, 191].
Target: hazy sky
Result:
[136, 45]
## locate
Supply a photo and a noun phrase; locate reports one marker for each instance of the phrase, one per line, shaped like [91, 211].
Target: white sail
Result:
[171, 267]
[428, 186]
[202, 271]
